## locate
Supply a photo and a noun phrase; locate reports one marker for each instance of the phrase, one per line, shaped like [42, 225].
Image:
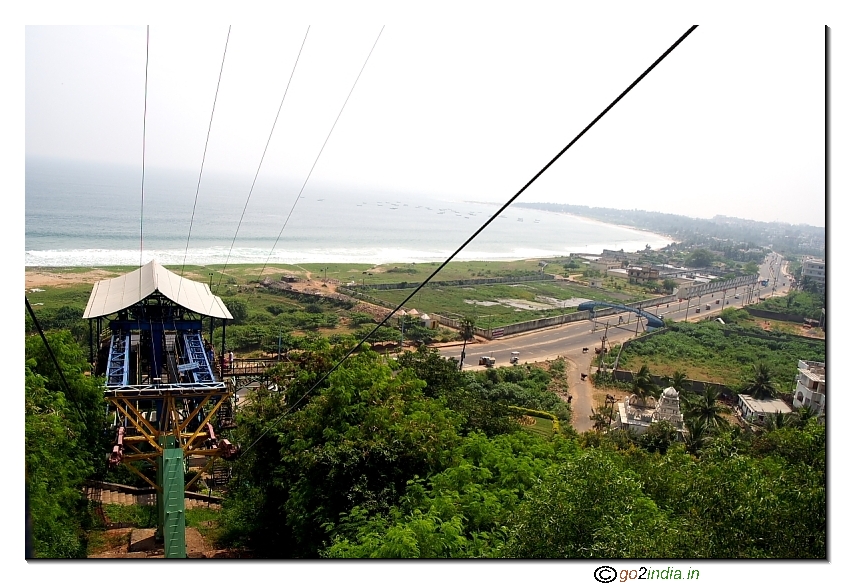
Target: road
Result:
[569, 340]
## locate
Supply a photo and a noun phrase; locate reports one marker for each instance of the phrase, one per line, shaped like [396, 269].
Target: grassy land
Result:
[540, 426]
[703, 352]
[271, 314]
[457, 300]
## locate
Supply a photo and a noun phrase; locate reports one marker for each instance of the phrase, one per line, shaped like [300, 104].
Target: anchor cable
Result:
[475, 234]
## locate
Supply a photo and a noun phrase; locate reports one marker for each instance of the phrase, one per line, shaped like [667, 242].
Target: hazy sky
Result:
[467, 98]
[732, 122]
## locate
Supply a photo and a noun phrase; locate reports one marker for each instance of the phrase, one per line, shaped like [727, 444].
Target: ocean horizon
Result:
[84, 214]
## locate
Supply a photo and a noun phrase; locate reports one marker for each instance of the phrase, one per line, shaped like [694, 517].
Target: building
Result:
[428, 322]
[811, 386]
[624, 273]
[637, 415]
[757, 410]
[814, 269]
[644, 273]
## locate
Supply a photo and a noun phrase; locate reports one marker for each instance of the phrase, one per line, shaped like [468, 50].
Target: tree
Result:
[578, 510]
[64, 443]
[467, 332]
[238, 309]
[760, 385]
[777, 421]
[357, 442]
[669, 285]
[602, 418]
[643, 386]
[679, 381]
[697, 435]
[700, 258]
[705, 409]
[658, 437]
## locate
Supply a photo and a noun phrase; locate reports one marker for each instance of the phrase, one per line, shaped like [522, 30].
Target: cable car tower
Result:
[165, 402]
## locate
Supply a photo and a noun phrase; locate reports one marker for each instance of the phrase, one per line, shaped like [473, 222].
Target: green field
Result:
[704, 352]
[269, 314]
[456, 301]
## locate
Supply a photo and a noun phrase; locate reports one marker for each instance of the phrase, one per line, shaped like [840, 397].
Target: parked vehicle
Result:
[487, 361]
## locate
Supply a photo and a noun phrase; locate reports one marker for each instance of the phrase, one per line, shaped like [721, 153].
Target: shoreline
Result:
[591, 220]
[61, 276]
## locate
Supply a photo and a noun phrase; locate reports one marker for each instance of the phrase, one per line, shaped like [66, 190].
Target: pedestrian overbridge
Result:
[652, 321]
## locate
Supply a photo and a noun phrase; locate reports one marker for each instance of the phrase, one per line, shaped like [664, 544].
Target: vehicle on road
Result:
[708, 306]
[514, 357]
[487, 361]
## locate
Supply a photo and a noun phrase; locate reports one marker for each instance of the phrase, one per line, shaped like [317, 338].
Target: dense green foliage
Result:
[405, 460]
[797, 303]
[723, 354]
[64, 444]
[411, 458]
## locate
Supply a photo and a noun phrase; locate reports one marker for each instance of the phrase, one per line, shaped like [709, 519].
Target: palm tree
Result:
[778, 420]
[802, 416]
[697, 436]
[602, 418]
[643, 386]
[706, 409]
[467, 332]
[761, 386]
[679, 381]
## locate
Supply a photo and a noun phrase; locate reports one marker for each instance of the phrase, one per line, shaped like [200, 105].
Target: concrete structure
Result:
[642, 273]
[636, 415]
[814, 269]
[757, 410]
[811, 386]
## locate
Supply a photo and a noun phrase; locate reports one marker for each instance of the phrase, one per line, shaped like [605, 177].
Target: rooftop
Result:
[765, 406]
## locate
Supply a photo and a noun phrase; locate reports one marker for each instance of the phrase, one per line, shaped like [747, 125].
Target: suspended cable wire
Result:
[475, 234]
[203, 159]
[297, 198]
[52, 356]
[227, 260]
[144, 132]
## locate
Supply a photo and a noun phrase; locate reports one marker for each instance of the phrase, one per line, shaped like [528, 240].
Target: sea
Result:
[88, 214]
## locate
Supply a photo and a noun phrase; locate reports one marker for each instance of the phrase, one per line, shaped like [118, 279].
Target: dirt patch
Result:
[119, 541]
[58, 278]
[599, 394]
[790, 328]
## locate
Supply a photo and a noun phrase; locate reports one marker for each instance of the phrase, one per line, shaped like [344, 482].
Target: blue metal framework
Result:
[652, 321]
[163, 399]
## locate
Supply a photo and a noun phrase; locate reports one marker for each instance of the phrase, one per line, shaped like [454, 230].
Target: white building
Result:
[814, 269]
[757, 410]
[811, 386]
[638, 416]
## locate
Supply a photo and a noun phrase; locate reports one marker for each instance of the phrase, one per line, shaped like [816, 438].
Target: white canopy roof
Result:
[112, 295]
